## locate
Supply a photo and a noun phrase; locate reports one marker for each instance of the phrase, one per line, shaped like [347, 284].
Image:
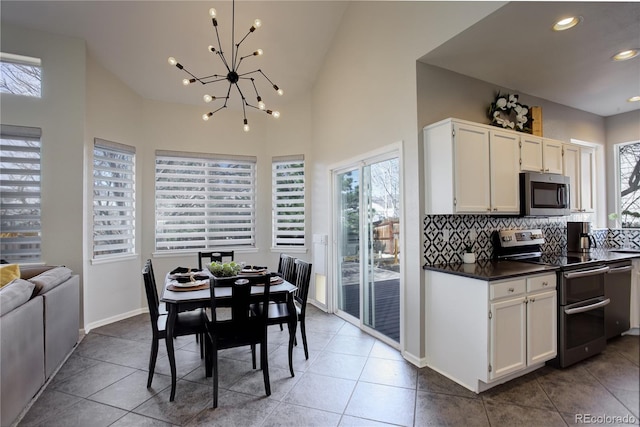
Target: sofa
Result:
[39, 325]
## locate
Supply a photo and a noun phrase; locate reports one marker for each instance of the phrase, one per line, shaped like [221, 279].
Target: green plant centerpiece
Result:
[225, 269]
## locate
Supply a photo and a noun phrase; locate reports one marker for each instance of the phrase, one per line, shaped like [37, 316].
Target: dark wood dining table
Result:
[184, 300]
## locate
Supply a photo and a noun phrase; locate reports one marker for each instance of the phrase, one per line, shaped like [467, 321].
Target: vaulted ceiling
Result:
[513, 47]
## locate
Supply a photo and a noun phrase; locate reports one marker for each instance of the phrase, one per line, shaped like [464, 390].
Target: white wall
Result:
[365, 98]
[112, 290]
[60, 113]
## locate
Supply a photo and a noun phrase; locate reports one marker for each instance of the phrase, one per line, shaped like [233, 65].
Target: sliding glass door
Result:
[367, 239]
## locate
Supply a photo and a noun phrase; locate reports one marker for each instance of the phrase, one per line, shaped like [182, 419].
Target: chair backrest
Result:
[287, 268]
[244, 324]
[302, 279]
[214, 256]
[152, 293]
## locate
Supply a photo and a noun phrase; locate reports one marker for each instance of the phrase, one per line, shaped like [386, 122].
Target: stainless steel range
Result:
[581, 296]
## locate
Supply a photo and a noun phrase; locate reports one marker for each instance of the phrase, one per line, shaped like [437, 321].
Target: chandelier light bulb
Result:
[257, 23]
[211, 49]
[172, 60]
[185, 82]
[213, 13]
[261, 105]
[280, 92]
[208, 98]
[246, 126]
[206, 116]
[258, 52]
[276, 114]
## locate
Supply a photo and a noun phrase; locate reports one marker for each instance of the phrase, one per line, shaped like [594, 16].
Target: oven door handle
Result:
[624, 269]
[585, 273]
[587, 307]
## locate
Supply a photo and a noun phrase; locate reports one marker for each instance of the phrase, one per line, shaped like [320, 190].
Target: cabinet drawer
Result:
[508, 289]
[538, 283]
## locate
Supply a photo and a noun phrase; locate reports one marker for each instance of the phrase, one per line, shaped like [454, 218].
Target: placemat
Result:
[186, 289]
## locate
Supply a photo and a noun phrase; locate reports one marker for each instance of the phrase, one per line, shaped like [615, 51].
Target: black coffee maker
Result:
[579, 238]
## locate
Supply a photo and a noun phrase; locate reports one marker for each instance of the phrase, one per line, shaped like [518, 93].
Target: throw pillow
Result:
[14, 295]
[8, 273]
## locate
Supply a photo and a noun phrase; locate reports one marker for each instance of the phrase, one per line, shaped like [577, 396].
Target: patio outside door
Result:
[367, 252]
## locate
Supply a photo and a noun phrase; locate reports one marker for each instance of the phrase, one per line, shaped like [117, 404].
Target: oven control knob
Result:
[506, 238]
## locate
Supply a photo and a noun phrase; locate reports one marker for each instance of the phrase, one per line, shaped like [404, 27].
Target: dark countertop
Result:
[490, 270]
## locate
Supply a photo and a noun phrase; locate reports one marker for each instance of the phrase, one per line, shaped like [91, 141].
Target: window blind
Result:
[113, 199]
[20, 208]
[288, 191]
[204, 201]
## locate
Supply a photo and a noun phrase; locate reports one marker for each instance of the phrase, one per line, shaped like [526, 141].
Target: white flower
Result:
[511, 125]
[501, 103]
[518, 109]
[519, 126]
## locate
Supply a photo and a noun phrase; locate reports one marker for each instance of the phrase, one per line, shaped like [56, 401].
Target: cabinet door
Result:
[504, 153]
[508, 337]
[571, 168]
[530, 153]
[471, 170]
[587, 179]
[541, 327]
[552, 156]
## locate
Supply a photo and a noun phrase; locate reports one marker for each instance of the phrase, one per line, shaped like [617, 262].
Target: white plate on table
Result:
[188, 284]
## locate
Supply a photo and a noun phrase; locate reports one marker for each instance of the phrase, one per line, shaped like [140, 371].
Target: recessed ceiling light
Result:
[625, 54]
[634, 99]
[566, 23]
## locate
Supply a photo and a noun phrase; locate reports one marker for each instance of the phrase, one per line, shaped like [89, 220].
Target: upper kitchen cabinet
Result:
[539, 154]
[579, 166]
[470, 168]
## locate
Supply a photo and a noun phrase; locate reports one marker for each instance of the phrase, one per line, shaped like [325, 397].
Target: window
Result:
[204, 201]
[288, 201]
[628, 165]
[113, 199]
[20, 227]
[20, 75]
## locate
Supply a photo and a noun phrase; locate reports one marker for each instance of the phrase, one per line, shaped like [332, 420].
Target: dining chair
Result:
[214, 256]
[187, 323]
[247, 326]
[287, 268]
[279, 313]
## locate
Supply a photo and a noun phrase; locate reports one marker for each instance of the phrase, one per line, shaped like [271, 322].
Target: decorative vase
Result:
[469, 257]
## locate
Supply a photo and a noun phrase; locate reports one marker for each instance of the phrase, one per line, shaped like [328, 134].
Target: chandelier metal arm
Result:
[232, 66]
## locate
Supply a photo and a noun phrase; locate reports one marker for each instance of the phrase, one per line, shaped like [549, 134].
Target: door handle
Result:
[587, 307]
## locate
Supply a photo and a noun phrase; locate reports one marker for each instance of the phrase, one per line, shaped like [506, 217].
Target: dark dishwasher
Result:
[617, 287]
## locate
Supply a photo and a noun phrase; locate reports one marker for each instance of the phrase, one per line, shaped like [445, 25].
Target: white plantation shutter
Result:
[204, 201]
[20, 226]
[288, 201]
[113, 199]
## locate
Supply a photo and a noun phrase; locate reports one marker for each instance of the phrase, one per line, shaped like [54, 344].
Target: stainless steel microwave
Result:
[544, 194]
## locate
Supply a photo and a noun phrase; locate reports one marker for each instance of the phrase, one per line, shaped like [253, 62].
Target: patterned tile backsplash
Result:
[445, 236]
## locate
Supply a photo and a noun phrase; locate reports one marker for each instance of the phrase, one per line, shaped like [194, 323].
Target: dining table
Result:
[179, 299]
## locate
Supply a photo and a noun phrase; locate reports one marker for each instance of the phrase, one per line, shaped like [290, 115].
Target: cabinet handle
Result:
[546, 170]
[510, 289]
[545, 284]
[532, 300]
[488, 209]
[495, 209]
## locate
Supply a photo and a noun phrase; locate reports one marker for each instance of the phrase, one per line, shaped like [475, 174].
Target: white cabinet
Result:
[635, 294]
[579, 166]
[523, 325]
[481, 333]
[470, 168]
[539, 154]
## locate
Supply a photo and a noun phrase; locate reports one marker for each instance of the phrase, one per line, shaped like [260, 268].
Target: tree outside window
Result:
[629, 184]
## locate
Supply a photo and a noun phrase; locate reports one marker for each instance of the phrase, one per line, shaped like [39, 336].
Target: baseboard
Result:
[419, 362]
[109, 320]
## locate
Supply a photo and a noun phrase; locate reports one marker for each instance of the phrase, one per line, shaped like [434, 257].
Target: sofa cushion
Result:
[8, 273]
[29, 271]
[48, 280]
[14, 295]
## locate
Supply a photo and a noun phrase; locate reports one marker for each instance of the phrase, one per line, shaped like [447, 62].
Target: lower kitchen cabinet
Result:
[481, 334]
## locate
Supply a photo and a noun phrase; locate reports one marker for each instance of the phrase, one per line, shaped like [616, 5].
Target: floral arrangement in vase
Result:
[225, 269]
[508, 113]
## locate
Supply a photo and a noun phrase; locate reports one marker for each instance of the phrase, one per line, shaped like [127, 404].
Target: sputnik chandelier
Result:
[233, 76]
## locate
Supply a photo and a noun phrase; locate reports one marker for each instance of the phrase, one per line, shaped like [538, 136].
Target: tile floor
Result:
[350, 379]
